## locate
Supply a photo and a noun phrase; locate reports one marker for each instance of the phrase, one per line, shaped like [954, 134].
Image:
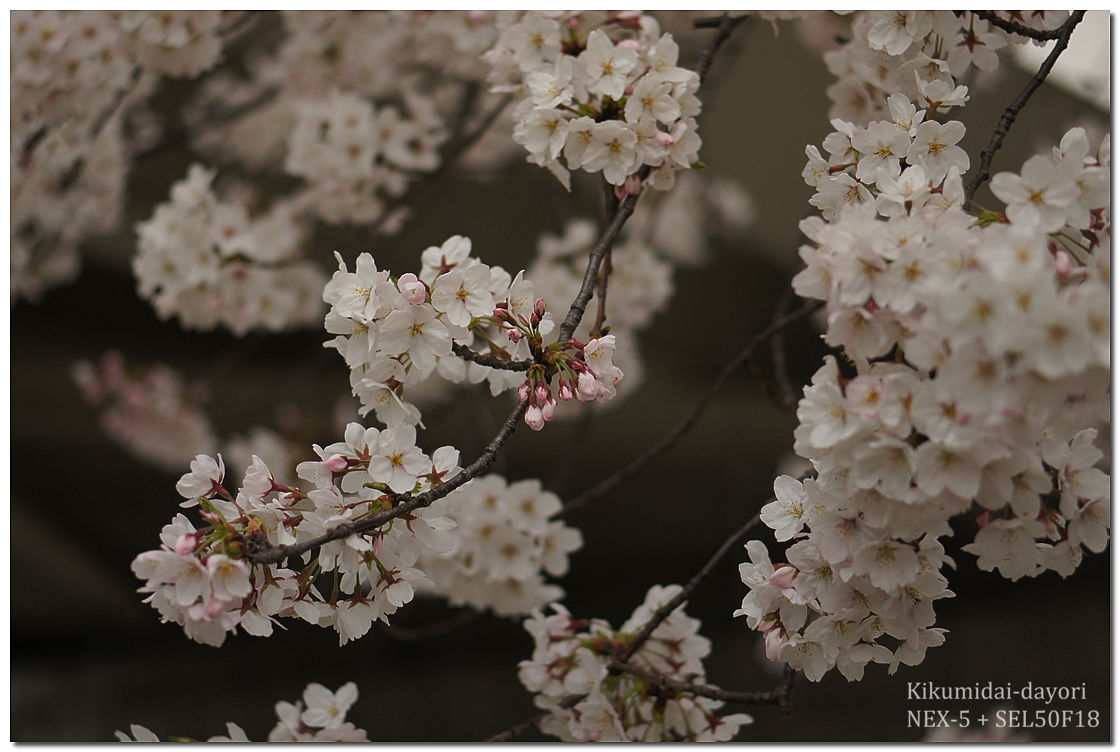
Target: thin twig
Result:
[787, 395]
[626, 207]
[427, 631]
[493, 361]
[183, 135]
[727, 25]
[1014, 26]
[515, 731]
[769, 697]
[667, 442]
[605, 269]
[686, 592]
[259, 551]
[983, 171]
[451, 155]
[590, 277]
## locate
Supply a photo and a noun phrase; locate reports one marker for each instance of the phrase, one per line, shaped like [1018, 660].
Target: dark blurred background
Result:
[87, 657]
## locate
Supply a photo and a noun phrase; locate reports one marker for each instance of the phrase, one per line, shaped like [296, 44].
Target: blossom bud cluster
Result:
[572, 658]
[505, 539]
[601, 93]
[979, 347]
[395, 333]
[319, 717]
[199, 577]
[208, 263]
[153, 414]
[919, 53]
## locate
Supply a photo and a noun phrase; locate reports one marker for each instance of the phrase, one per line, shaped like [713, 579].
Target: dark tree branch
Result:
[1014, 26]
[493, 361]
[605, 243]
[686, 592]
[667, 442]
[787, 395]
[515, 731]
[260, 551]
[183, 135]
[771, 697]
[625, 207]
[983, 171]
[726, 25]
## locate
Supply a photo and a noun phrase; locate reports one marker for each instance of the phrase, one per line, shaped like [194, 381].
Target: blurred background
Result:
[87, 657]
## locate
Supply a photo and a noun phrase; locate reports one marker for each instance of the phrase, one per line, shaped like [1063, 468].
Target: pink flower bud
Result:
[186, 543]
[544, 394]
[768, 623]
[523, 391]
[215, 608]
[633, 185]
[548, 410]
[783, 576]
[533, 418]
[630, 44]
[514, 335]
[664, 139]
[539, 307]
[984, 519]
[336, 463]
[565, 392]
[1062, 264]
[414, 290]
[774, 644]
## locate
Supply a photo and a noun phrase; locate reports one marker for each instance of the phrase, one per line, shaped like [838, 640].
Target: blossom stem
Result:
[260, 551]
[667, 442]
[1015, 27]
[686, 592]
[983, 171]
[492, 361]
[771, 697]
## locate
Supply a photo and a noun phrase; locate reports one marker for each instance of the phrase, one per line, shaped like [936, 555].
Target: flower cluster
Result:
[504, 540]
[74, 73]
[353, 156]
[319, 717]
[675, 228]
[354, 105]
[181, 44]
[919, 54]
[572, 659]
[395, 333]
[154, 414]
[601, 93]
[865, 163]
[979, 347]
[200, 578]
[207, 262]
